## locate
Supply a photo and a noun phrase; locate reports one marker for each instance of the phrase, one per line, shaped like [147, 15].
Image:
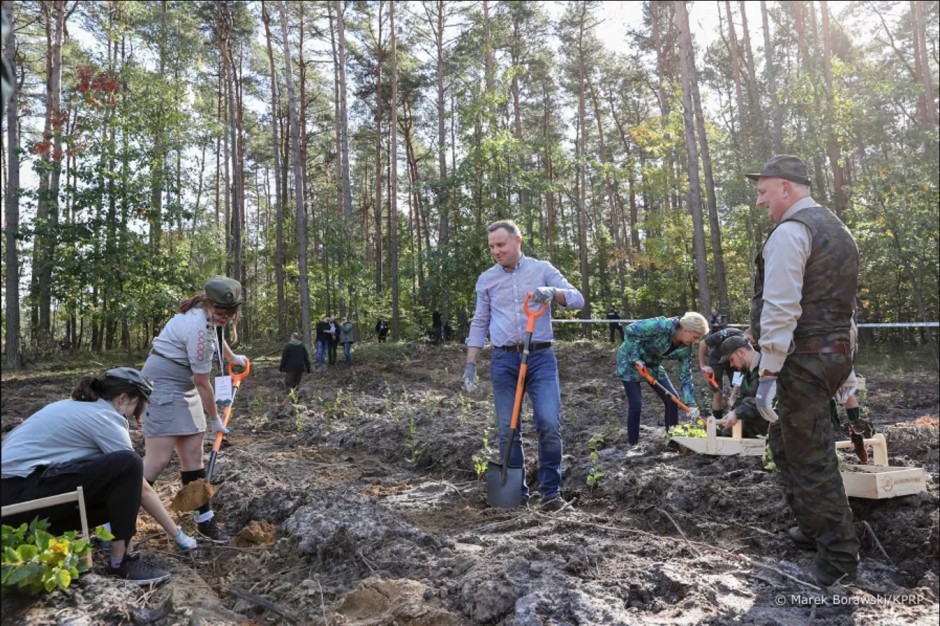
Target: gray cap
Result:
[786, 167]
[729, 345]
[134, 377]
[224, 292]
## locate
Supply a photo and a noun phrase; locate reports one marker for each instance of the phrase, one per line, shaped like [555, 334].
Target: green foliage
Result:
[34, 561]
[687, 429]
[481, 460]
[595, 474]
[768, 460]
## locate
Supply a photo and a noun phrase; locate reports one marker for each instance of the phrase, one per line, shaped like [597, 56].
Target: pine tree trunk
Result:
[278, 206]
[294, 122]
[770, 70]
[11, 210]
[393, 182]
[377, 207]
[695, 195]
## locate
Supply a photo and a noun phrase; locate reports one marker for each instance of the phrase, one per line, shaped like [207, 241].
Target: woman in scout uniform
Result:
[180, 364]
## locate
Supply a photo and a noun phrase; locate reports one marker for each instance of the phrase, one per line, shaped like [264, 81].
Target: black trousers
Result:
[111, 484]
[331, 352]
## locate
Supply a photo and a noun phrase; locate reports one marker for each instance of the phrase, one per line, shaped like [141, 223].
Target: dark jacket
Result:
[745, 407]
[323, 331]
[295, 357]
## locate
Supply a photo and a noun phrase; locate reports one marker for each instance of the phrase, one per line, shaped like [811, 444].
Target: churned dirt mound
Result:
[361, 504]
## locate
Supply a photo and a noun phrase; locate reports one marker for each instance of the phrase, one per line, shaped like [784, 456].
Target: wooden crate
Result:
[712, 444]
[878, 483]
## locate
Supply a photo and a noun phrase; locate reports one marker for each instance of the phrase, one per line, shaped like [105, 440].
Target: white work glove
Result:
[729, 420]
[693, 413]
[639, 364]
[766, 392]
[542, 294]
[239, 359]
[470, 377]
[706, 369]
[184, 541]
[219, 427]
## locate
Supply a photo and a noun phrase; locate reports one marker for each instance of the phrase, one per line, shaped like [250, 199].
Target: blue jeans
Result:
[321, 352]
[635, 406]
[541, 384]
[347, 352]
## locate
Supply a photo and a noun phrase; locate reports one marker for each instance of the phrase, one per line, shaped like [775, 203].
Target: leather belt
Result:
[839, 348]
[518, 347]
[170, 359]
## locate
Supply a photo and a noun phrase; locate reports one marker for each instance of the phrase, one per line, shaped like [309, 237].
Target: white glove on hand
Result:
[693, 413]
[239, 359]
[639, 364]
[730, 420]
[184, 541]
[470, 377]
[219, 427]
[542, 294]
[766, 392]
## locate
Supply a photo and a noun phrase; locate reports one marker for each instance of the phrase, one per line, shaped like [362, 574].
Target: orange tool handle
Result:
[710, 379]
[645, 373]
[237, 378]
[524, 366]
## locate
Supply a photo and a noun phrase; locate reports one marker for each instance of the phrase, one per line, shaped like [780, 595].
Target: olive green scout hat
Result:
[786, 167]
[224, 292]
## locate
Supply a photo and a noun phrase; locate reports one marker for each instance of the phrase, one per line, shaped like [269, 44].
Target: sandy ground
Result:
[360, 505]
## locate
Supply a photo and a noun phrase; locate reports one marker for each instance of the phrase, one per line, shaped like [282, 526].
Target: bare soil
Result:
[360, 505]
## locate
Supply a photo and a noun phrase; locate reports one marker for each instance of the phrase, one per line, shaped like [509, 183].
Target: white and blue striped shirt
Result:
[501, 294]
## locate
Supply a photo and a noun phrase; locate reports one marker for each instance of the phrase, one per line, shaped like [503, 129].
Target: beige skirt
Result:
[175, 406]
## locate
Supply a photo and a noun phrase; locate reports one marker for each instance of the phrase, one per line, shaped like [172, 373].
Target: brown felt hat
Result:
[224, 292]
[786, 167]
[729, 345]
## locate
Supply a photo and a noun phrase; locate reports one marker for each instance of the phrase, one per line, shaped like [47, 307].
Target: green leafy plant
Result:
[412, 442]
[687, 429]
[35, 560]
[595, 474]
[768, 460]
[481, 460]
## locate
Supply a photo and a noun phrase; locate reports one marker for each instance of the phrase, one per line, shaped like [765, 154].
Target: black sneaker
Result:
[211, 531]
[139, 572]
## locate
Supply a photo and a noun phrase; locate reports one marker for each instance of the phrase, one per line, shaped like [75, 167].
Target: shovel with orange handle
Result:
[645, 373]
[237, 378]
[711, 380]
[504, 483]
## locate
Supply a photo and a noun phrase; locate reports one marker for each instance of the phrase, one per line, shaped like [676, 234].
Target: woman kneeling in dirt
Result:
[180, 364]
[646, 344]
[84, 442]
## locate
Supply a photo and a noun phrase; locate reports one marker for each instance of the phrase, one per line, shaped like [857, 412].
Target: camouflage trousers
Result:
[803, 447]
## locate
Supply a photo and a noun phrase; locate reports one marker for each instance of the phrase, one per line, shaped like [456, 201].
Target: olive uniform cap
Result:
[786, 167]
[729, 345]
[224, 292]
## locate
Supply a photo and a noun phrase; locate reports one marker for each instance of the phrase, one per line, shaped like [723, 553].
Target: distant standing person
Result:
[500, 294]
[710, 363]
[323, 342]
[648, 342]
[437, 327]
[295, 360]
[333, 345]
[346, 338]
[716, 321]
[615, 328]
[802, 316]
[381, 329]
[180, 364]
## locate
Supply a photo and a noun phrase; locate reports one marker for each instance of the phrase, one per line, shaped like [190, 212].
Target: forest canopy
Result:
[345, 157]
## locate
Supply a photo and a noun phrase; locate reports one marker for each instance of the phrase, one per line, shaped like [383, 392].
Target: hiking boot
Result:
[211, 531]
[553, 505]
[800, 539]
[827, 576]
[136, 571]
